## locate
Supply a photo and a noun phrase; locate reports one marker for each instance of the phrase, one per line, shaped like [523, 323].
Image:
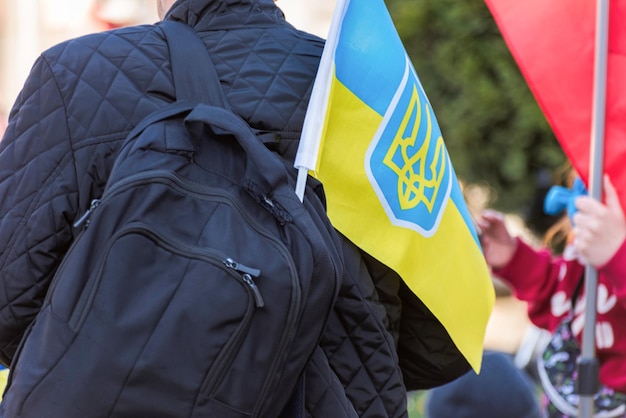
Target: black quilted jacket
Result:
[79, 102]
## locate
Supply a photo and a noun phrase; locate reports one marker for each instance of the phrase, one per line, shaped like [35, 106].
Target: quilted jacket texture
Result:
[79, 102]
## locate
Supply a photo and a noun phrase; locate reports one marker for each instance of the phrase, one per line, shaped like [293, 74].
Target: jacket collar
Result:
[206, 15]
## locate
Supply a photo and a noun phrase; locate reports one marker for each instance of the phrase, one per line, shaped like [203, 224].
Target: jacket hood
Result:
[224, 14]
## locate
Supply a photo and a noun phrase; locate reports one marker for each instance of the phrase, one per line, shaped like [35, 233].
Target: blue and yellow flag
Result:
[389, 182]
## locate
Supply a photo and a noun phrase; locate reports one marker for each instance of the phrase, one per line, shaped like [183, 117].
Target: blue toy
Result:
[560, 198]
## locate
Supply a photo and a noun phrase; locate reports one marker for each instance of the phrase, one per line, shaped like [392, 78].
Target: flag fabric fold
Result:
[371, 137]
[553, 43]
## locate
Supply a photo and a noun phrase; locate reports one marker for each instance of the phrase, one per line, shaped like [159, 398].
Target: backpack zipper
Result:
[85, 216]
[246, 274]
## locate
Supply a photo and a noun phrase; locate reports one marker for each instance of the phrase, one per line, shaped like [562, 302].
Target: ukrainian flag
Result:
[371, 137]
[4, 375]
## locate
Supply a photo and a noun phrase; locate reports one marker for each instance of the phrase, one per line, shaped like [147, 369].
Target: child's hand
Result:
[498, 244]
[599, 230]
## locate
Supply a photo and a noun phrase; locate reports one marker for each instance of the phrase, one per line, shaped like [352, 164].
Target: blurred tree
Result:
[493, 127]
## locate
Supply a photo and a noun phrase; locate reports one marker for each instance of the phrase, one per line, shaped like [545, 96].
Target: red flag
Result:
[553, 44]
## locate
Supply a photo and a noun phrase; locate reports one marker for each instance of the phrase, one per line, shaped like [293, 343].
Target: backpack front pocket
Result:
[132, 311]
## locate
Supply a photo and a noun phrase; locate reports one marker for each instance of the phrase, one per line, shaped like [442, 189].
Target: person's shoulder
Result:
[132, 57]
[107, 43]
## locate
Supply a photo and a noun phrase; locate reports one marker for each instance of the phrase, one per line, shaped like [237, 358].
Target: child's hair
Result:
[560, 233]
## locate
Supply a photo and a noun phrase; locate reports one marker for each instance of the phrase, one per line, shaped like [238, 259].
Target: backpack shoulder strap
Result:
[188, 54]
[195, 78]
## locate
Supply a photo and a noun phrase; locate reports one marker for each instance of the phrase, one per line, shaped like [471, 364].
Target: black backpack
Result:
[200, 284]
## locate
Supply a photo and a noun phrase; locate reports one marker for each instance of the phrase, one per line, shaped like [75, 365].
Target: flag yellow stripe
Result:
[431, 267]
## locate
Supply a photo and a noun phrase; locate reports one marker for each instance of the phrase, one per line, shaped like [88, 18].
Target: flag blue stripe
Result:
[374, 47]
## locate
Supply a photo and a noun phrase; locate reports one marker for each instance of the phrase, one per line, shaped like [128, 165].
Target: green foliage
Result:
[493, 128]
[416, 403]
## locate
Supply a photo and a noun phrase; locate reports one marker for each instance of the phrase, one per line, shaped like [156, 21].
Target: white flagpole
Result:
[308, 149]
[588, 364]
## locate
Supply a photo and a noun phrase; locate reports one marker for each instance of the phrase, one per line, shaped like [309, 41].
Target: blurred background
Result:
[502, 148]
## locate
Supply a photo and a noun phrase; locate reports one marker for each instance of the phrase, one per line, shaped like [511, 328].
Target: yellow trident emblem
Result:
[413, 179]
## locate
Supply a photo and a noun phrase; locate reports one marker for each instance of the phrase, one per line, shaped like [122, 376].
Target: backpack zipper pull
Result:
[247, 274]
[83, 219]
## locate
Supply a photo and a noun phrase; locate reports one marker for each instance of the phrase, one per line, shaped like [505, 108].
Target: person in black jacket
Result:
[78, 104]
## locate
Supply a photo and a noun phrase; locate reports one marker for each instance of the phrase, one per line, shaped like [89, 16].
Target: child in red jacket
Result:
[547, 282]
